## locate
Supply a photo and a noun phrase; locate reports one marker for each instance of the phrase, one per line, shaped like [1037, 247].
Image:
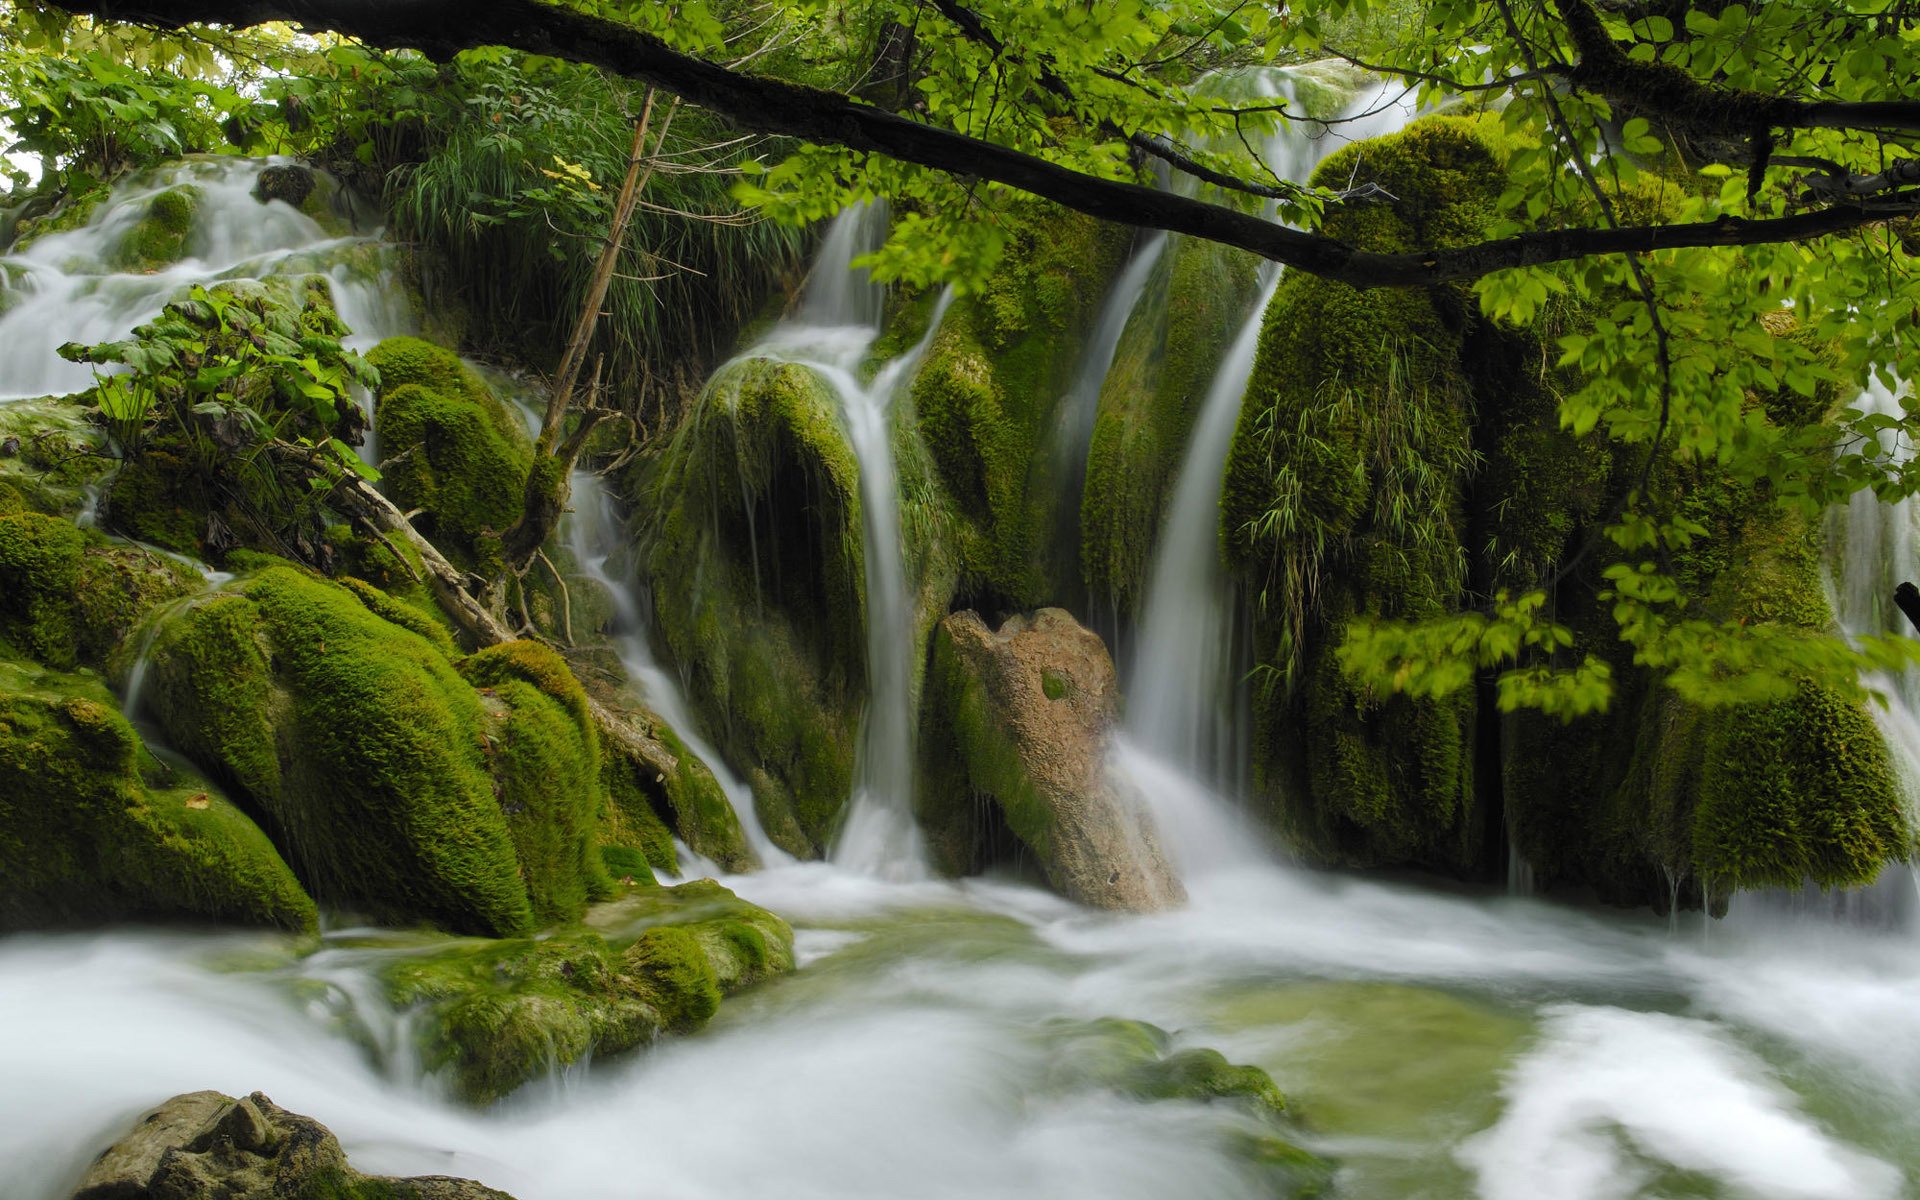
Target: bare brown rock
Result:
[1023, 718]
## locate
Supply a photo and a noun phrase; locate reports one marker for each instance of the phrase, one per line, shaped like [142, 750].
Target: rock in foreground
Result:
[1025, 717]
[204, 1144]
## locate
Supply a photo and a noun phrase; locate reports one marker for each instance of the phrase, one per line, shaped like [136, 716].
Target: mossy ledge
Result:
[496, 1014]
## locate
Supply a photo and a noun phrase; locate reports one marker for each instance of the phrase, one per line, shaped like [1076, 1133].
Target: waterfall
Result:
[1073, 436]
[831, 332]
[595, 536]
[1186, 699]
[65, 287]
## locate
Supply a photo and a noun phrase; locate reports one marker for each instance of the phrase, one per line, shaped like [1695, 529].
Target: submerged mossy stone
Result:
[67, 597]
[755, 555]
[159, 237]
[1346, 497]
[205, 1144]
[494, 1015]
[993, 731]
[1196, 299]
[381, 770]
[986, 401]
[84, 836]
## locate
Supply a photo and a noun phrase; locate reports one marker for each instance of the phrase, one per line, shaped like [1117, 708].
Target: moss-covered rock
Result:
[85, 835]
[449, 448]
[755, 554]
[1346, 496]
[159, 237]
[51, 453]
[986, 400]
[395, 786]
[1197, 297]
[499, 1013]
[68, 597]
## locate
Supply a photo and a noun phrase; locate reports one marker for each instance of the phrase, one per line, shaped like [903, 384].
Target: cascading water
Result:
[831, 333]
[953, 1041]
[595, 535]
[67, 286]
[1185, 699]
[1081, 405]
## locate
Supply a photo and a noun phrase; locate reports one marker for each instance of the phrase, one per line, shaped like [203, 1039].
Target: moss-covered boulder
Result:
[758, 572]
[68, 597]
[1023, 719]
[87, 834]
[159, 236]
[448, 448]
[50, 453]
[658, 788]
[208, 1144]
[495, 1014]
[986, 402]
[1199, 294]
[395, 786]
[1346, 496]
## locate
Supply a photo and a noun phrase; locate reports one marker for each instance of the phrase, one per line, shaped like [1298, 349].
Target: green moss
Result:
[376, 762]
[159, 238]
[67, 597]
[11, 501]
[1192, 306]
[986, 398]
[499, 1013]
[158, 498]
[544, 755]
[627, 867]
[444, 455]
[399, 612]
[84, 837]
[755, 553]
[1796, 790]
[1346, 496]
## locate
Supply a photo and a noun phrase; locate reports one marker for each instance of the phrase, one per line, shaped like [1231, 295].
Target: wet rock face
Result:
[204, 1144]
[290, 183]
[1024, 718]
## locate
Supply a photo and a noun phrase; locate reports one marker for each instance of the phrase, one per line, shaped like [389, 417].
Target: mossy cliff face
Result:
[394, 785]
[497, 1014]
[1397, 452]
[1658, 799]
[1345, 496]
[986, 401]
[93, 829]
[449, 448]
[755, 556]
[1198, 295]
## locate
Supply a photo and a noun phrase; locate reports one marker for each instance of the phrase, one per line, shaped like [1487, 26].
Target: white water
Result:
[1185, 696]
[1440, 1047]
[831, 333]
[596, 536]
[66, 290]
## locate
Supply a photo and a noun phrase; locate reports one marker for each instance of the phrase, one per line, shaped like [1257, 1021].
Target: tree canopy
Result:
[1684, 174]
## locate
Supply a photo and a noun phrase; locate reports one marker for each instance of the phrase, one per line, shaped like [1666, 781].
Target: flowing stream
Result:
[947, 1040]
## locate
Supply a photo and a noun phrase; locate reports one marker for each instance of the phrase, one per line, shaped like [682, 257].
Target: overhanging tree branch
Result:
[441, 28]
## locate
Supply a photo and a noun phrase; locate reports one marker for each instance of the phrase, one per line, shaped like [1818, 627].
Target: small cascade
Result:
[831, 333]
[1186, 697]
[1073, 436]
[74, 285]
[595, 535]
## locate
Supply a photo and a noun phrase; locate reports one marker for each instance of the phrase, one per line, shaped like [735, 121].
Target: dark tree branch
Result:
[440, 28]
